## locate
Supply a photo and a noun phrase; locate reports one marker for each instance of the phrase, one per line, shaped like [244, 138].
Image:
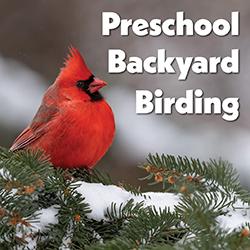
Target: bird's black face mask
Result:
[85, 86]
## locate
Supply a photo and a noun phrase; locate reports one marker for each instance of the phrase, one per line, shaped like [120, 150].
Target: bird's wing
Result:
[38, 127]
[25, 138]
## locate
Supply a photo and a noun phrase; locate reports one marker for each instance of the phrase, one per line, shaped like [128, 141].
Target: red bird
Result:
[74, 125]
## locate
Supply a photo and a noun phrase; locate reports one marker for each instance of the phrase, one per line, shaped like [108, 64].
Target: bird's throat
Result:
[96, 96]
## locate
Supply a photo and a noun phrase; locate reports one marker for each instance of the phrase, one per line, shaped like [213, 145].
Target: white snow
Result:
[159, 200]
[236, 216]
[100, 197]
[45, 217]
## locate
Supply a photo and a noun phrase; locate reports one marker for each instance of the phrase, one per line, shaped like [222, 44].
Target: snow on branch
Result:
[100, 197]
[44, 207]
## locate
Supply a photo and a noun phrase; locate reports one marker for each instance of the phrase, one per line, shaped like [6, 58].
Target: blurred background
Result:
[35, 36]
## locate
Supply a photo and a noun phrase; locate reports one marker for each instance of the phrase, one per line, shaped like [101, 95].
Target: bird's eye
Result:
[84, 84]
[80, 84]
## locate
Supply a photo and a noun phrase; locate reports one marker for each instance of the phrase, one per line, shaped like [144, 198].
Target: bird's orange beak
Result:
[96, 85]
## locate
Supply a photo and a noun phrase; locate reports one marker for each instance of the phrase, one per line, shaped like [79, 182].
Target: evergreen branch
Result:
[203, 193]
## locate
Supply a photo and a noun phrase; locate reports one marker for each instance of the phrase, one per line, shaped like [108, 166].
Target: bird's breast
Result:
[86, 132]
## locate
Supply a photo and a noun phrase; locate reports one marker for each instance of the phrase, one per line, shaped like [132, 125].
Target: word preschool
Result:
[180, 26]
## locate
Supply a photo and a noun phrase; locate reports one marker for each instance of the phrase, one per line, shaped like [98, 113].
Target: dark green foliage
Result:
[29, 183]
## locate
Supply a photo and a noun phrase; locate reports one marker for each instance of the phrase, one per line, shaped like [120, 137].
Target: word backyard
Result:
[163, 64]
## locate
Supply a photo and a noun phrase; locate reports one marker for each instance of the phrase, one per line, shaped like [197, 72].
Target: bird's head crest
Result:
[74, 68]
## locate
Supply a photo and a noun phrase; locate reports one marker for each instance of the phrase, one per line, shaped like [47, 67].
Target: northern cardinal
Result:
[74, 125]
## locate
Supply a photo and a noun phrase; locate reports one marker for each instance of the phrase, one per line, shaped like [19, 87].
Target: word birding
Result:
[193, 103]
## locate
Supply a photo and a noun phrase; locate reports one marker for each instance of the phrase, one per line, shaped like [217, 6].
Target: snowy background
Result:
[34, 41]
